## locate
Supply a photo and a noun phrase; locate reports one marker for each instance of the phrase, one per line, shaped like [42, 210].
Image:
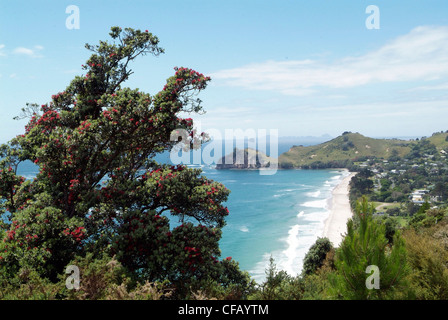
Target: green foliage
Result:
[230, 284]
[99, 277]
[420, 149]
[439, 140]
[427, 257]
[316, 255]
[100, 192]
[391, 225]
[281, 286]
[364, 246]
[278, 285]
[419, 218]
[440, 190]
[186, 256]
[360, 185]
[426, 216]
[27, 284]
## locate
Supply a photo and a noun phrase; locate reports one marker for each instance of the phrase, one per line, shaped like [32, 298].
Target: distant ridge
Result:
[304, 140]
[342, 150]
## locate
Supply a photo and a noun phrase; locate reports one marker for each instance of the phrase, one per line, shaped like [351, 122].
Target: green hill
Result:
[343, 150]
[439, 139]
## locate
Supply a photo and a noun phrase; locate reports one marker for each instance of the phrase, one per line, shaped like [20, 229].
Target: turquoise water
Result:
[279, 215]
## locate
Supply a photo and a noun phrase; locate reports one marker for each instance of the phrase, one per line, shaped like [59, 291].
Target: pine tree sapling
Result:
[363, 246]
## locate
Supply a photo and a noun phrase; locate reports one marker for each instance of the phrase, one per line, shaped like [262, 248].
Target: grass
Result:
[439, 140]
[385, 205]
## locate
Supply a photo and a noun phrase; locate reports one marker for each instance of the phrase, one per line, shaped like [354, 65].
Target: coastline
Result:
[340, 211]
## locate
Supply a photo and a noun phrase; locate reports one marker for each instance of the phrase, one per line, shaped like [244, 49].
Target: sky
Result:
[304, 68]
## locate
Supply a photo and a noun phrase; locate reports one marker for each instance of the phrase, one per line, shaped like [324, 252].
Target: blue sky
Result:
[302, 67]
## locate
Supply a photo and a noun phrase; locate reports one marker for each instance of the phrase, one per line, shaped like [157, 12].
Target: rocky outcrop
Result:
[244, 159]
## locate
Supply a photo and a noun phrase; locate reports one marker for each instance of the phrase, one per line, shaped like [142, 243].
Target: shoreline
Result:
[339, 212]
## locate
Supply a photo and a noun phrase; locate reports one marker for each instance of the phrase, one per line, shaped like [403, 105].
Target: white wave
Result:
[318, 216]
[291, 250]
[281, 194]
[195, 165]
[290, 259]
[314, 194]
[322, 203]
[244, 229]
[290, 190]
[300, 214]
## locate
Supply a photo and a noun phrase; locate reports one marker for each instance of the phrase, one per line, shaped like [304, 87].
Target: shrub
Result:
[278, 285]
[316, 255]
[427, 258]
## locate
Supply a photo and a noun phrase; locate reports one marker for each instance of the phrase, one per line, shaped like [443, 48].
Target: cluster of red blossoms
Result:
[93, 65]
[11, 233]
[48, 121]
[78, 234]
[85, 125]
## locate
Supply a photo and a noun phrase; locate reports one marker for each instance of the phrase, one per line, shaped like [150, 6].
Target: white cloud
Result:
[25, 51]
[422, 54]
[441, 86]
[2, 46]
[34, 52]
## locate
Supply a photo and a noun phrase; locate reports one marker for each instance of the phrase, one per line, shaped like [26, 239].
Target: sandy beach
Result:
[340, 211]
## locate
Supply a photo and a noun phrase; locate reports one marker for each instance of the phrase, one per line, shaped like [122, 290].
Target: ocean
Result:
[279, 215]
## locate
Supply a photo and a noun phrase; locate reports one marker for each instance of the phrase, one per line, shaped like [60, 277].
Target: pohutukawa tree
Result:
[99, 188]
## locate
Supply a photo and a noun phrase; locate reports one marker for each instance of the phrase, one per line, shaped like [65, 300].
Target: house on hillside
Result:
[417, 196]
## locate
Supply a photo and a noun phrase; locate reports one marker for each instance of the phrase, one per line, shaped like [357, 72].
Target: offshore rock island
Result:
[245, 159]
